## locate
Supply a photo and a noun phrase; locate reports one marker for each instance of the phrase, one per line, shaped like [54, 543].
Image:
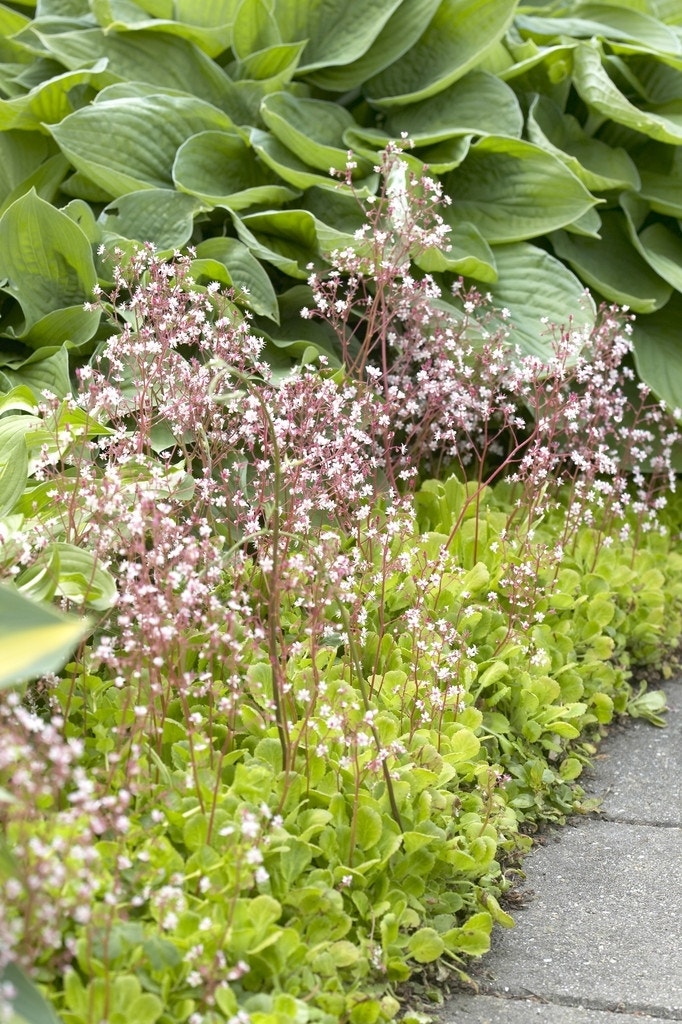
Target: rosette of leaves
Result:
[554, 128]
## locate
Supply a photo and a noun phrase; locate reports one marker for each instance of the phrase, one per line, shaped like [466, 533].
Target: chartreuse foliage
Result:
[35, 639]
[555, 128]
[29, 1006]
[315, 890]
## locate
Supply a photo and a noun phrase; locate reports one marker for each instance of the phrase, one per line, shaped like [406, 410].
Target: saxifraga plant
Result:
[280, 619]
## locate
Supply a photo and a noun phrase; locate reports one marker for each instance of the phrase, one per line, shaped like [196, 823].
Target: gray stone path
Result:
[600, 939]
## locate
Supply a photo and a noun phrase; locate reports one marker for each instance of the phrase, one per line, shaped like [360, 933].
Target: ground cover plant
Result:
[353, 630]
[554, 128]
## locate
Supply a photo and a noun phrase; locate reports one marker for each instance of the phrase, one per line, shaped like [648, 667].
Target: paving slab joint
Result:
[603, 1005]
[649, 823]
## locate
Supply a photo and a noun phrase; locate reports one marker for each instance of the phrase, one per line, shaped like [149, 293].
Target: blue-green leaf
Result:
[13, 472]
[312, 129]
[613, 266]
[397, 36]
[455, 41]
[46, 264]
[603, 21]
[469, 255]
[222, 169]
[35, 639]
[28, 1005]
[166, 61]
[43, 370]
[336, 34]
[208, 24]
[536, 289]
[598, 165]
[660, 169]
[660, 247]
[512, 190]
[244, 272]
[71, 573]
[658, 353]
[50, 101]
[162, 120]
[159, 215]
[296, 172]
[601, 94]
[479, 103]
[285, 238]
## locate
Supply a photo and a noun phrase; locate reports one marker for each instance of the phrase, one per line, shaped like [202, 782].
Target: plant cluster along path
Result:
[336, 517]
[600, 938]
[350, 636]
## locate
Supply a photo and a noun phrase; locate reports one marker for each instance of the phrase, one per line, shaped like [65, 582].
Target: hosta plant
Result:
[554, 128]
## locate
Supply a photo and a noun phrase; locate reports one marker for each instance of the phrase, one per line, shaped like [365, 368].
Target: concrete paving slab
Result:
[638, 771]
[604, 926]
[600, 939]
[464, 1009]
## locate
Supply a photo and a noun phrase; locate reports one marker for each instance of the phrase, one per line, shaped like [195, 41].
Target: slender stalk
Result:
[273, 627]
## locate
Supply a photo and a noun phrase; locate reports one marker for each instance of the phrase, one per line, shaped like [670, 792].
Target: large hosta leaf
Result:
[274, 66]
[222, 169]
[69, 572]
[660, 247]
[544, 69]
[303, 340]
[41, 370]
[613, 266]
[657, 81]
[312, 129]
[469, 255]
[536, 288]
[72, 323]
[512, 190]
[254, 29]
[338, 216]
[159, 215]
[589, 224]
[13, 472]
[167, 61]
[46, 264]
[285, 238]
[370, 144]
[658, 352]
[245, 273]
[597, 165]
[27, 1004]
[12, 22]
[207, 24]
[296, 172]
[46, 180]
[455, 40]
[479, 103]
[399, 33]
[660, 168]
[35, 640]
[20, 154]
[446, 156]
[336, 33]
[164, 122]
[34, 432]
[50, 101]
[599, 92]
[607, 21]
[669, 12]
